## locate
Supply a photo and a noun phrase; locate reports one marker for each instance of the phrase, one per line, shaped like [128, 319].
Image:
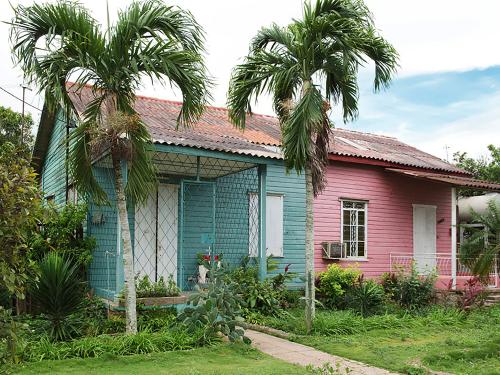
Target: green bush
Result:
[61, 231]
[410, 289]
[11, 337]
[256, 295]
[366, 298]
[161, 288]
[58, 294]
[333, 284]
[141, 343]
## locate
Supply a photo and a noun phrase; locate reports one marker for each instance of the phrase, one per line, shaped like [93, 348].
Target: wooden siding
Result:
[390, 212]
[198, 220]
[53, 175]
[103, 270]
[292, 186]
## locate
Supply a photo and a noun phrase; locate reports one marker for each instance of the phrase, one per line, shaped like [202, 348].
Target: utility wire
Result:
[18, 98]
[25, 102]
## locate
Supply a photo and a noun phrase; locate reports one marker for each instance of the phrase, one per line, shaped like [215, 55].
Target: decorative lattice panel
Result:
[156, 228]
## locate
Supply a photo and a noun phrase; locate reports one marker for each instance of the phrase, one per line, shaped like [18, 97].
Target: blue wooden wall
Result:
[53, 175]
[231, 216]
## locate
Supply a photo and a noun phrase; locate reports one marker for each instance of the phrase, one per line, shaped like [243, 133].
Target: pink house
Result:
[388, 204]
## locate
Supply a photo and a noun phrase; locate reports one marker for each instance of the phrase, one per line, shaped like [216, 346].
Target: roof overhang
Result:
[457, 181]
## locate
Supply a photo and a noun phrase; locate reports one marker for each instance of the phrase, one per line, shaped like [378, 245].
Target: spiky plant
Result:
[307, 67]
[53, 42]
[58, 293]
[481, 251]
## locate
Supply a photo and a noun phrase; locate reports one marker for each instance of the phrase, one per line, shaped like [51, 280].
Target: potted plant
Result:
[204, 266]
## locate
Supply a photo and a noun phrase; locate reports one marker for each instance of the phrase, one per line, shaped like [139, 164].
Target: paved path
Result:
[304, 355]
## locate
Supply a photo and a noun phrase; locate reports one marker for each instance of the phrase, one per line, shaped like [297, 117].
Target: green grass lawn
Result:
[441, 341]
[220, 359]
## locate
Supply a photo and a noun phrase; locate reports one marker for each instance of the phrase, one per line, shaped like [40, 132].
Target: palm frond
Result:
[262, 71]
[305, 119]
[142, 173]
[166, 63]
[482, 249]
[148, 19]
[80, 163]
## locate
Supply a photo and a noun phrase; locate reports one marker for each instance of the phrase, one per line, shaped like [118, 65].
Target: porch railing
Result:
[439, 263]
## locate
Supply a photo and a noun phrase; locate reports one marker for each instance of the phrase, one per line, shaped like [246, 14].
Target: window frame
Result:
[365, 210]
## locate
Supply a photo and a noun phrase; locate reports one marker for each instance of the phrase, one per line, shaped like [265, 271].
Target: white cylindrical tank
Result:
[478, 204]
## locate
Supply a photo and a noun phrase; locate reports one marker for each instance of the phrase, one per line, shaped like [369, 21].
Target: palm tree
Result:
[306, 67]
[53, 42]
[481, 251]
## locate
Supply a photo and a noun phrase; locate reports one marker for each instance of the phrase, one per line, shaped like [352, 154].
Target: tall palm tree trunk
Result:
[128, 260]
[310, 288]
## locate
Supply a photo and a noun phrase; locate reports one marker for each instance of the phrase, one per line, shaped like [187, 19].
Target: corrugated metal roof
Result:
[459, 181]
[215, 132]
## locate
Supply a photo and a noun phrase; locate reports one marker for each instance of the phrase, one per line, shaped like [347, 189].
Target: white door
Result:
[155, 245]
[424, 237]
[168, 212]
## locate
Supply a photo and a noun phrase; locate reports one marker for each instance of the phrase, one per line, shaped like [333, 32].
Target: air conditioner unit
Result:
[333, 250]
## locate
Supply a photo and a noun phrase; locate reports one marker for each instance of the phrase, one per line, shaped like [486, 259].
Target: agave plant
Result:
[58, 293]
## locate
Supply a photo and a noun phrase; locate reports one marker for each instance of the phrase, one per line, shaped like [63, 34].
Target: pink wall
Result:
[390, 212]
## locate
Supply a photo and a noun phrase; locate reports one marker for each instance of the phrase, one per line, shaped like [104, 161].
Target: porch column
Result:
[262, 171]
[454, 237]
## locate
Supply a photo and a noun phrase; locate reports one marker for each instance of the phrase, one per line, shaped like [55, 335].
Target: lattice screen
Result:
[217, 212]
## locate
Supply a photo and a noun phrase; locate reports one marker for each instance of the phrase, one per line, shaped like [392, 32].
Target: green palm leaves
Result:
[57, 42]
[58, 293]
[481, 251]
[306, 67]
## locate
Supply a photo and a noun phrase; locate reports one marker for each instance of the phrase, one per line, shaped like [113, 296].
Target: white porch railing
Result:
[439, 263]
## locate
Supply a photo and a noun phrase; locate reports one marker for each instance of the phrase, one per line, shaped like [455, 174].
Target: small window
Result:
[51, 199]
[354, 228]
[274, 225]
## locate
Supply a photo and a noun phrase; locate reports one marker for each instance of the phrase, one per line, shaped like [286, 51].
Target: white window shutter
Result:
[274, 227]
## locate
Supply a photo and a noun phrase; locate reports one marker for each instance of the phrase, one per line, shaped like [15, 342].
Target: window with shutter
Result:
[274, 225]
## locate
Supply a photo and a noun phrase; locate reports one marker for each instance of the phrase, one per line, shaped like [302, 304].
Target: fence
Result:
[439, 263]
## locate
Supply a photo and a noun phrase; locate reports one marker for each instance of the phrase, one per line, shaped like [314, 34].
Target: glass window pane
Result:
[361, 233]
[361, 249]
[347, 204]
[347, 217]
[347, 232]
[361, 217]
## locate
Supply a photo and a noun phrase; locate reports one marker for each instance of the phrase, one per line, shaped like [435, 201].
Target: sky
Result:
[445, 97]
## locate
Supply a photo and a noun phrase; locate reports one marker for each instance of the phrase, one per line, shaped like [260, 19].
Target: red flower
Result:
[287, 267]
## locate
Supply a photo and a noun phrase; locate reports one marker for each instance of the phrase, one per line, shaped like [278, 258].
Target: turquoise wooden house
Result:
[210, 199]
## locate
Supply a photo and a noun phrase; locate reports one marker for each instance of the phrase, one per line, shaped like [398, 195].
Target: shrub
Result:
[410, 289]
[11, 336]
[257, 295]
[366, 298]
[61, 231]
[216, 310]
[334, 283]
[473, 293]
[58, 294]
[161, 288]
[141, 343]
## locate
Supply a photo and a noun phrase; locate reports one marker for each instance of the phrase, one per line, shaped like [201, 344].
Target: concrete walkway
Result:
[304, 355]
